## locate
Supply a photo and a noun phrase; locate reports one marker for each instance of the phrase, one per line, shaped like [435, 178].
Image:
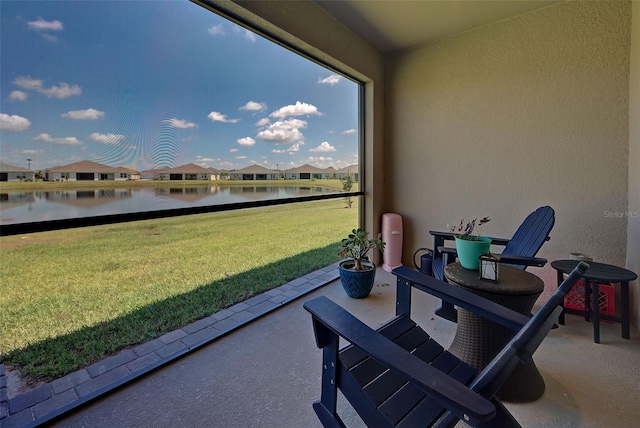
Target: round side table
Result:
[478, 341]
[597, 273]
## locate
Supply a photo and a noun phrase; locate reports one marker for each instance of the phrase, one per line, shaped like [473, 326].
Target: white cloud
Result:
[254, 106]
[216, 30]
[18, 96]
[263, 122]
[321, 161]
[88, 114]
[43, 25]
[249, 36]
[26, 82]
[241, 157]
[63, 91]
[63, 141]
[179, 123]
[31, 152]
[13, 123]
[205, 160]
[246, 141]
[243, 32]
[234, 150]
[332, 80]
[106, 138]
[219, 117]
[324, 147]
[294, 148]
[227, 165]
[298, 109]
[350, 131]
[283, 132]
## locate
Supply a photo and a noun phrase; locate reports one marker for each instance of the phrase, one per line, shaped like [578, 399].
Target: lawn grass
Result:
[72, 297]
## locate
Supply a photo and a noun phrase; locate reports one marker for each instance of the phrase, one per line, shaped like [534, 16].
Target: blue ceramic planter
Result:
[356, 283]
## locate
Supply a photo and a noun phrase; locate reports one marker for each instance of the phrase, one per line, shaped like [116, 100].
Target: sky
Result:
[160, 84]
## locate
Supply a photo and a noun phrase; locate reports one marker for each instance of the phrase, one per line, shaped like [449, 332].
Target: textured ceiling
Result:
[394, 25]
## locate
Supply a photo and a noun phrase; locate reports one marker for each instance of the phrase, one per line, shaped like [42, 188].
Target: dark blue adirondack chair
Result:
[519, 251]
[399, 376]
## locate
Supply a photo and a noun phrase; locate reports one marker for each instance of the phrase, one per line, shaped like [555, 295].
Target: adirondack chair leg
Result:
[403, 297]
[327, 419]
[446, 309]
[326, 407]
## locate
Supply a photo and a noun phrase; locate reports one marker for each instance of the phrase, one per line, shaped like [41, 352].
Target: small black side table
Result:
[600, 272]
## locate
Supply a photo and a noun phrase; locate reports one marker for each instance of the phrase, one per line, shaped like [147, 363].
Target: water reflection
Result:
[24, 207]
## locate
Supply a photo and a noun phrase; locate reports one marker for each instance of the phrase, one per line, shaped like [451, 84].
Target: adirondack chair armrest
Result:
[462, 298]
[448, 250]
[460, 400]
[522, 260]
[499, 241]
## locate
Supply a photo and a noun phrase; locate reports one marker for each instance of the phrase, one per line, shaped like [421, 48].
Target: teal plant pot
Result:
[357, 283]
[469, 251]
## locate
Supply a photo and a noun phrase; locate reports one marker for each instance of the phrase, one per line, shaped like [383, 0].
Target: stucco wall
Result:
[633, 230]
[503, 119]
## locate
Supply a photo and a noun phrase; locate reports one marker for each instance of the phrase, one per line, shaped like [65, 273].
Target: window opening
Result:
[94, 99]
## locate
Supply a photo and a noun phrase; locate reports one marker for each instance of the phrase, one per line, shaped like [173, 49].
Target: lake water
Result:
[25, 207]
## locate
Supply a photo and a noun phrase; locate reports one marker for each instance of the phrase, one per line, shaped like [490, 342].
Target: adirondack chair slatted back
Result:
[525, 242]
[531, 234]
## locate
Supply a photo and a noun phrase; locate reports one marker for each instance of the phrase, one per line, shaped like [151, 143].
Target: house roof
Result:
[306, 168]
[189, 168]
[5, 167]
[348, 169]
[89, 166]
[253, 169]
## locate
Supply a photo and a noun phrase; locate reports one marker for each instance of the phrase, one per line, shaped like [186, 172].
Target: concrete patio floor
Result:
[266, 374]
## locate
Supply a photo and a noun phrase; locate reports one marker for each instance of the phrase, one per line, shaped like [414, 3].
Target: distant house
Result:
[351, 169]
[329, 172]
[15, 173]
[307, 172]
[90, 171]
[216, 173]
[189, 171]
[254, 172]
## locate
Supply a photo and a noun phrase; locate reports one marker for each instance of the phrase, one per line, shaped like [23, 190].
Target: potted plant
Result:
[357, 272]
[470, 246]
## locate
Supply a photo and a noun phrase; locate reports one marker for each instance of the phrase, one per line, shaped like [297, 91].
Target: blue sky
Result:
[157, 84]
